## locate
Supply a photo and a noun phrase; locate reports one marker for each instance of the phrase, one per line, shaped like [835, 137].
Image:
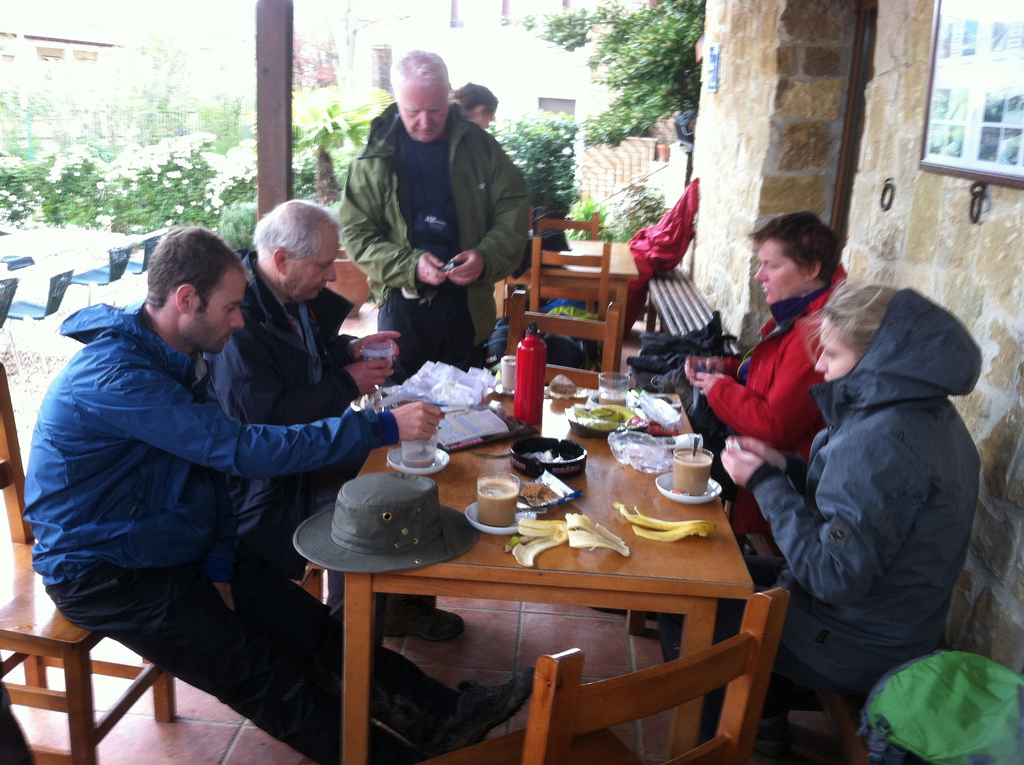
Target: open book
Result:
[464, 427]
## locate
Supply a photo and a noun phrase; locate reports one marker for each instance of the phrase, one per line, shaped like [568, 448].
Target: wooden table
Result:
[685, 577]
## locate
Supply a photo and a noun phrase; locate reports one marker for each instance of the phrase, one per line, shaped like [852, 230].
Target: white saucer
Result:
[499, 389]
[664, 483]
[471, 516]
[441, 460]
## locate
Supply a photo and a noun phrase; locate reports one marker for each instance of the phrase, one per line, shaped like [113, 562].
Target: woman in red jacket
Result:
[766, 395]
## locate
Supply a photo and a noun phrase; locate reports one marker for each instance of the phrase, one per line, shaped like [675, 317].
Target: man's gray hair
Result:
[420, 65]
[294, 226]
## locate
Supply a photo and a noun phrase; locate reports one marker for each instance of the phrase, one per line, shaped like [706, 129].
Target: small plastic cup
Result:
[508, 373]
[374, 351]
[611, 388]
[419, 454]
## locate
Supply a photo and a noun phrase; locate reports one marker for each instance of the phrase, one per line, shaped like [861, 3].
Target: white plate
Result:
[472, 517]
[664, 483]
[441, 460]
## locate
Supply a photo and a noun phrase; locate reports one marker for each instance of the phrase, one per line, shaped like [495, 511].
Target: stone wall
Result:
[769, 139]
[925, 240]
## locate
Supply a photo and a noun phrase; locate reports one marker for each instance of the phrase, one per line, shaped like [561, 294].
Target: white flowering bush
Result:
[167, 184]
[20, 200]
[177, 181]
[72, 194]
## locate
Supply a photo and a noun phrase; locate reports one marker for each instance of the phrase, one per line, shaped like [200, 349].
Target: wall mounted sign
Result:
[713, 51]
[975, 111]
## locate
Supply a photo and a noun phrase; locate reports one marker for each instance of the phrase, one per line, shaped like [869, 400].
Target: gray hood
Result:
[921, 351]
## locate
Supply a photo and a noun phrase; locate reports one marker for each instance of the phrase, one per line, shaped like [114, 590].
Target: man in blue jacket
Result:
[287, 366]
[136, 539]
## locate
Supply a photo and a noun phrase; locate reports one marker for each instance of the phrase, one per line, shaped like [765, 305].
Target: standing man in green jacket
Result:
[434, 213]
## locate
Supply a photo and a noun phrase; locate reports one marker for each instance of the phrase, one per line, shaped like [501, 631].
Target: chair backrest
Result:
[55, 295]
[563, 712]
[7, 289]
[602, 281]
[12, 472]
[119, 257]
[606, 331]
[593, 226]
[147, 250]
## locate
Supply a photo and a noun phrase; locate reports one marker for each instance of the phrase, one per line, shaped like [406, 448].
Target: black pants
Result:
[788, 667]
[13, 747]
[275, 659]
[439, 330]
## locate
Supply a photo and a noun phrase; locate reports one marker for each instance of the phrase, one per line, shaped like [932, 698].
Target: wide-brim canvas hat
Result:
[385, 522]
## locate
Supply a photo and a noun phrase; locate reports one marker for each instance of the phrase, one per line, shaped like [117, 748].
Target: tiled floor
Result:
[499, 638]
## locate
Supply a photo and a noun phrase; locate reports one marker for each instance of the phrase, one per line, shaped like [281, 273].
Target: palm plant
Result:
[326, 120]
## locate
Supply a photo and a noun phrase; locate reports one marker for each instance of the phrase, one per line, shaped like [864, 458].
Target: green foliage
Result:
[583, 210]
[639, 207]
[646, 57]
[542, 146]
[238, 224]
[19, 184]
[329, 121]
[72, 192]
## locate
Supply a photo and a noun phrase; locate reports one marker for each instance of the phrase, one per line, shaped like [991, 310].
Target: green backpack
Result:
[947, 708]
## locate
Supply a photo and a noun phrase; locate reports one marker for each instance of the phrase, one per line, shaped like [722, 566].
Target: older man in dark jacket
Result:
[288, 365]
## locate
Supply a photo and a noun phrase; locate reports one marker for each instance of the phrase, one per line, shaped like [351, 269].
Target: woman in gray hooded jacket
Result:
[875, 528]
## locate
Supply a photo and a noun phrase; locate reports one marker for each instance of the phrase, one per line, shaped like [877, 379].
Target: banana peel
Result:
[536, 537]
[648, 527]
[584, 533]
[578, 530]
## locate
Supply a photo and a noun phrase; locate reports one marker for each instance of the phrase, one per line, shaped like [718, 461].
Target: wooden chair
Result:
[606, 331]
[570, 723]
[598, 294]
[38, 636]
[593, 226]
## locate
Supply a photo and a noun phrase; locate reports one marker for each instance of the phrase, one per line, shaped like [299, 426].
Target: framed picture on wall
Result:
[975, 113]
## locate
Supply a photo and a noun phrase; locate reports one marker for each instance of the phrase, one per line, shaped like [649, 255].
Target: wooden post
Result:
[274, 19]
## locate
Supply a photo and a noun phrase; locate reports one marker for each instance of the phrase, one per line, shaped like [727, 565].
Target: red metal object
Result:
[531, 360]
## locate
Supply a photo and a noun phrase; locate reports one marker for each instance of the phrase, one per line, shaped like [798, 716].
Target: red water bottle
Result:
[531, 359]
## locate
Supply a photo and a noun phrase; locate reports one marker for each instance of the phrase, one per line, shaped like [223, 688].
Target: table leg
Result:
[357, 670]
[698, 634]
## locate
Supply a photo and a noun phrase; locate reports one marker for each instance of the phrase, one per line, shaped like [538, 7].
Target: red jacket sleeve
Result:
[775, 405]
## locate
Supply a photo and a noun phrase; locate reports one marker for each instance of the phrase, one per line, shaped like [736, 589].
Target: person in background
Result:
[477, 104]
[875, 527]
[434, 212]
[765, 395]
[136, 538]
[289, 365]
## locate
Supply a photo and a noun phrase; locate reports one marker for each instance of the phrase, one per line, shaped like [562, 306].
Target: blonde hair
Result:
[854, 313]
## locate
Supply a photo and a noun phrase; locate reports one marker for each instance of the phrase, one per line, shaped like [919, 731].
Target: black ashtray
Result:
[573, 457]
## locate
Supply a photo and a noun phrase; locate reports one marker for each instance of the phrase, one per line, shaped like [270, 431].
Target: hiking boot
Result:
[419, 616]
[478, 709]
[773, 736]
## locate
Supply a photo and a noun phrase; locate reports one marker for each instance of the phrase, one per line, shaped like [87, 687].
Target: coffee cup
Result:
[419, 454]
[691, 471]
[611, 388]
[496, 496]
